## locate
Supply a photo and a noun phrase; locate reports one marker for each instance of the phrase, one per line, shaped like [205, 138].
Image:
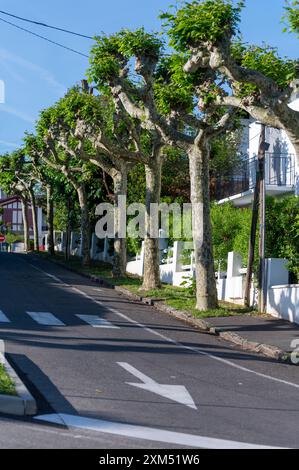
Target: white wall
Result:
[283, 302]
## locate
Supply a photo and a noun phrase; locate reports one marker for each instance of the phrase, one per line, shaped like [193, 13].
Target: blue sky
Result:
[36, 73]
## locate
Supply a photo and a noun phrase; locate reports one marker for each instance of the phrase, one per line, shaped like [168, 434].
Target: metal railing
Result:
[279, 171]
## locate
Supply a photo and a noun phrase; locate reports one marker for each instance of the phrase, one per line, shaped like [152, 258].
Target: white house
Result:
[281, 170]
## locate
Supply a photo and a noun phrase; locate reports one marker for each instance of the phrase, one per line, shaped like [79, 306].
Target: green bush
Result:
[231, 231]
[282, 231]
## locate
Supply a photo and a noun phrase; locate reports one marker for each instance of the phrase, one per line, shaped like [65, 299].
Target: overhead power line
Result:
[39, 23]
[44, 38]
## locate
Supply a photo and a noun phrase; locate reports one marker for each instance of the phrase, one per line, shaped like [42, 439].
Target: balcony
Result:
[239, 186]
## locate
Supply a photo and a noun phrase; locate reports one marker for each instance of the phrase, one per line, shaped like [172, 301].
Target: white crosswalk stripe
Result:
[96, 321]
[48, 319]
[3, 318]
[45, 318]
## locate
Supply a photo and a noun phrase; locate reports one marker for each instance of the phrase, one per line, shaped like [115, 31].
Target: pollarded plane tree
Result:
[253, 78]
[49, 180]
[76, 172]
[42, 175]
[12, 184]
[25, 175]
[89, 127]
[164, 99]
[108, 63]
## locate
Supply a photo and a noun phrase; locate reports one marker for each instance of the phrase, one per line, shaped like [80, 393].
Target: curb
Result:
[21, 405]
[263, 349]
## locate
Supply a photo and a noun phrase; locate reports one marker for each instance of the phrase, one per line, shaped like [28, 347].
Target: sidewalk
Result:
[263, 329]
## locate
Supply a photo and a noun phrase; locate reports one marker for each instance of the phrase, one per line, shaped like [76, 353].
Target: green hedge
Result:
[231, 230]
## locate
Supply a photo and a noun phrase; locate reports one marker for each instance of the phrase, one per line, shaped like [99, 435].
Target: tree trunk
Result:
[25, 223]
[50, 221]
[34, 220]
[151, 276]
[85, 225]
[67, 253]
[206, 293]
[120, 243]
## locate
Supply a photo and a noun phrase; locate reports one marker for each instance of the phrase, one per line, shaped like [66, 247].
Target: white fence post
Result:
[74, 243]
[93, 249]
[234, 281]
[176, 256]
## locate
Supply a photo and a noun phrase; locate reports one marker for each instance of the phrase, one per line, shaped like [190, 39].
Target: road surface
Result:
[111, 373]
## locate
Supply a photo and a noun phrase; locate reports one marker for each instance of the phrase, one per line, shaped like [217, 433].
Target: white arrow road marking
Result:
[3, 318]
[177, 393]
[96, 321]
[45, 318]
[146, 433]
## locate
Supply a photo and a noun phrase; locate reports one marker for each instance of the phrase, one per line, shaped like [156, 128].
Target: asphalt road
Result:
[82, 375]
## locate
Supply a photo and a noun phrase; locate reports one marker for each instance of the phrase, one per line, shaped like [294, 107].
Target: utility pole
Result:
[262, 206]
[258, 203]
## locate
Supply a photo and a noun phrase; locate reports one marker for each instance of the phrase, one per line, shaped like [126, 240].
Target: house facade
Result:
[281, 167]
[12, 217]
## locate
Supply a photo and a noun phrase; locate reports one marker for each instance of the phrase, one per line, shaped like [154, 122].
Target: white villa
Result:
[281, 171]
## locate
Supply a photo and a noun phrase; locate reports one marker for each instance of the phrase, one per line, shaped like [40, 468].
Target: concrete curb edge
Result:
[21, 405]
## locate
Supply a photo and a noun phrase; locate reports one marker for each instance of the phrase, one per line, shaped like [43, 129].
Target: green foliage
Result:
[175, 176]
[175, 183]
[136, 184]
[7, 385]
[282, 228]
[104, 63]
[14, 170]
[225, 153]
[291, 17]
[67, 210]
[189, 285]
[73, 106]
[173, 87]
[139, 43]
[133, 246]
[207, 21]
[111, 53]
[231, 231]
[266, 60]
[11, 237]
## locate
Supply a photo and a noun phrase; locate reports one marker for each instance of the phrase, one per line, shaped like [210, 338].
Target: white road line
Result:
[45, 318]
[96, 322]
[3, 318]
[176, 343]
[146, 433]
